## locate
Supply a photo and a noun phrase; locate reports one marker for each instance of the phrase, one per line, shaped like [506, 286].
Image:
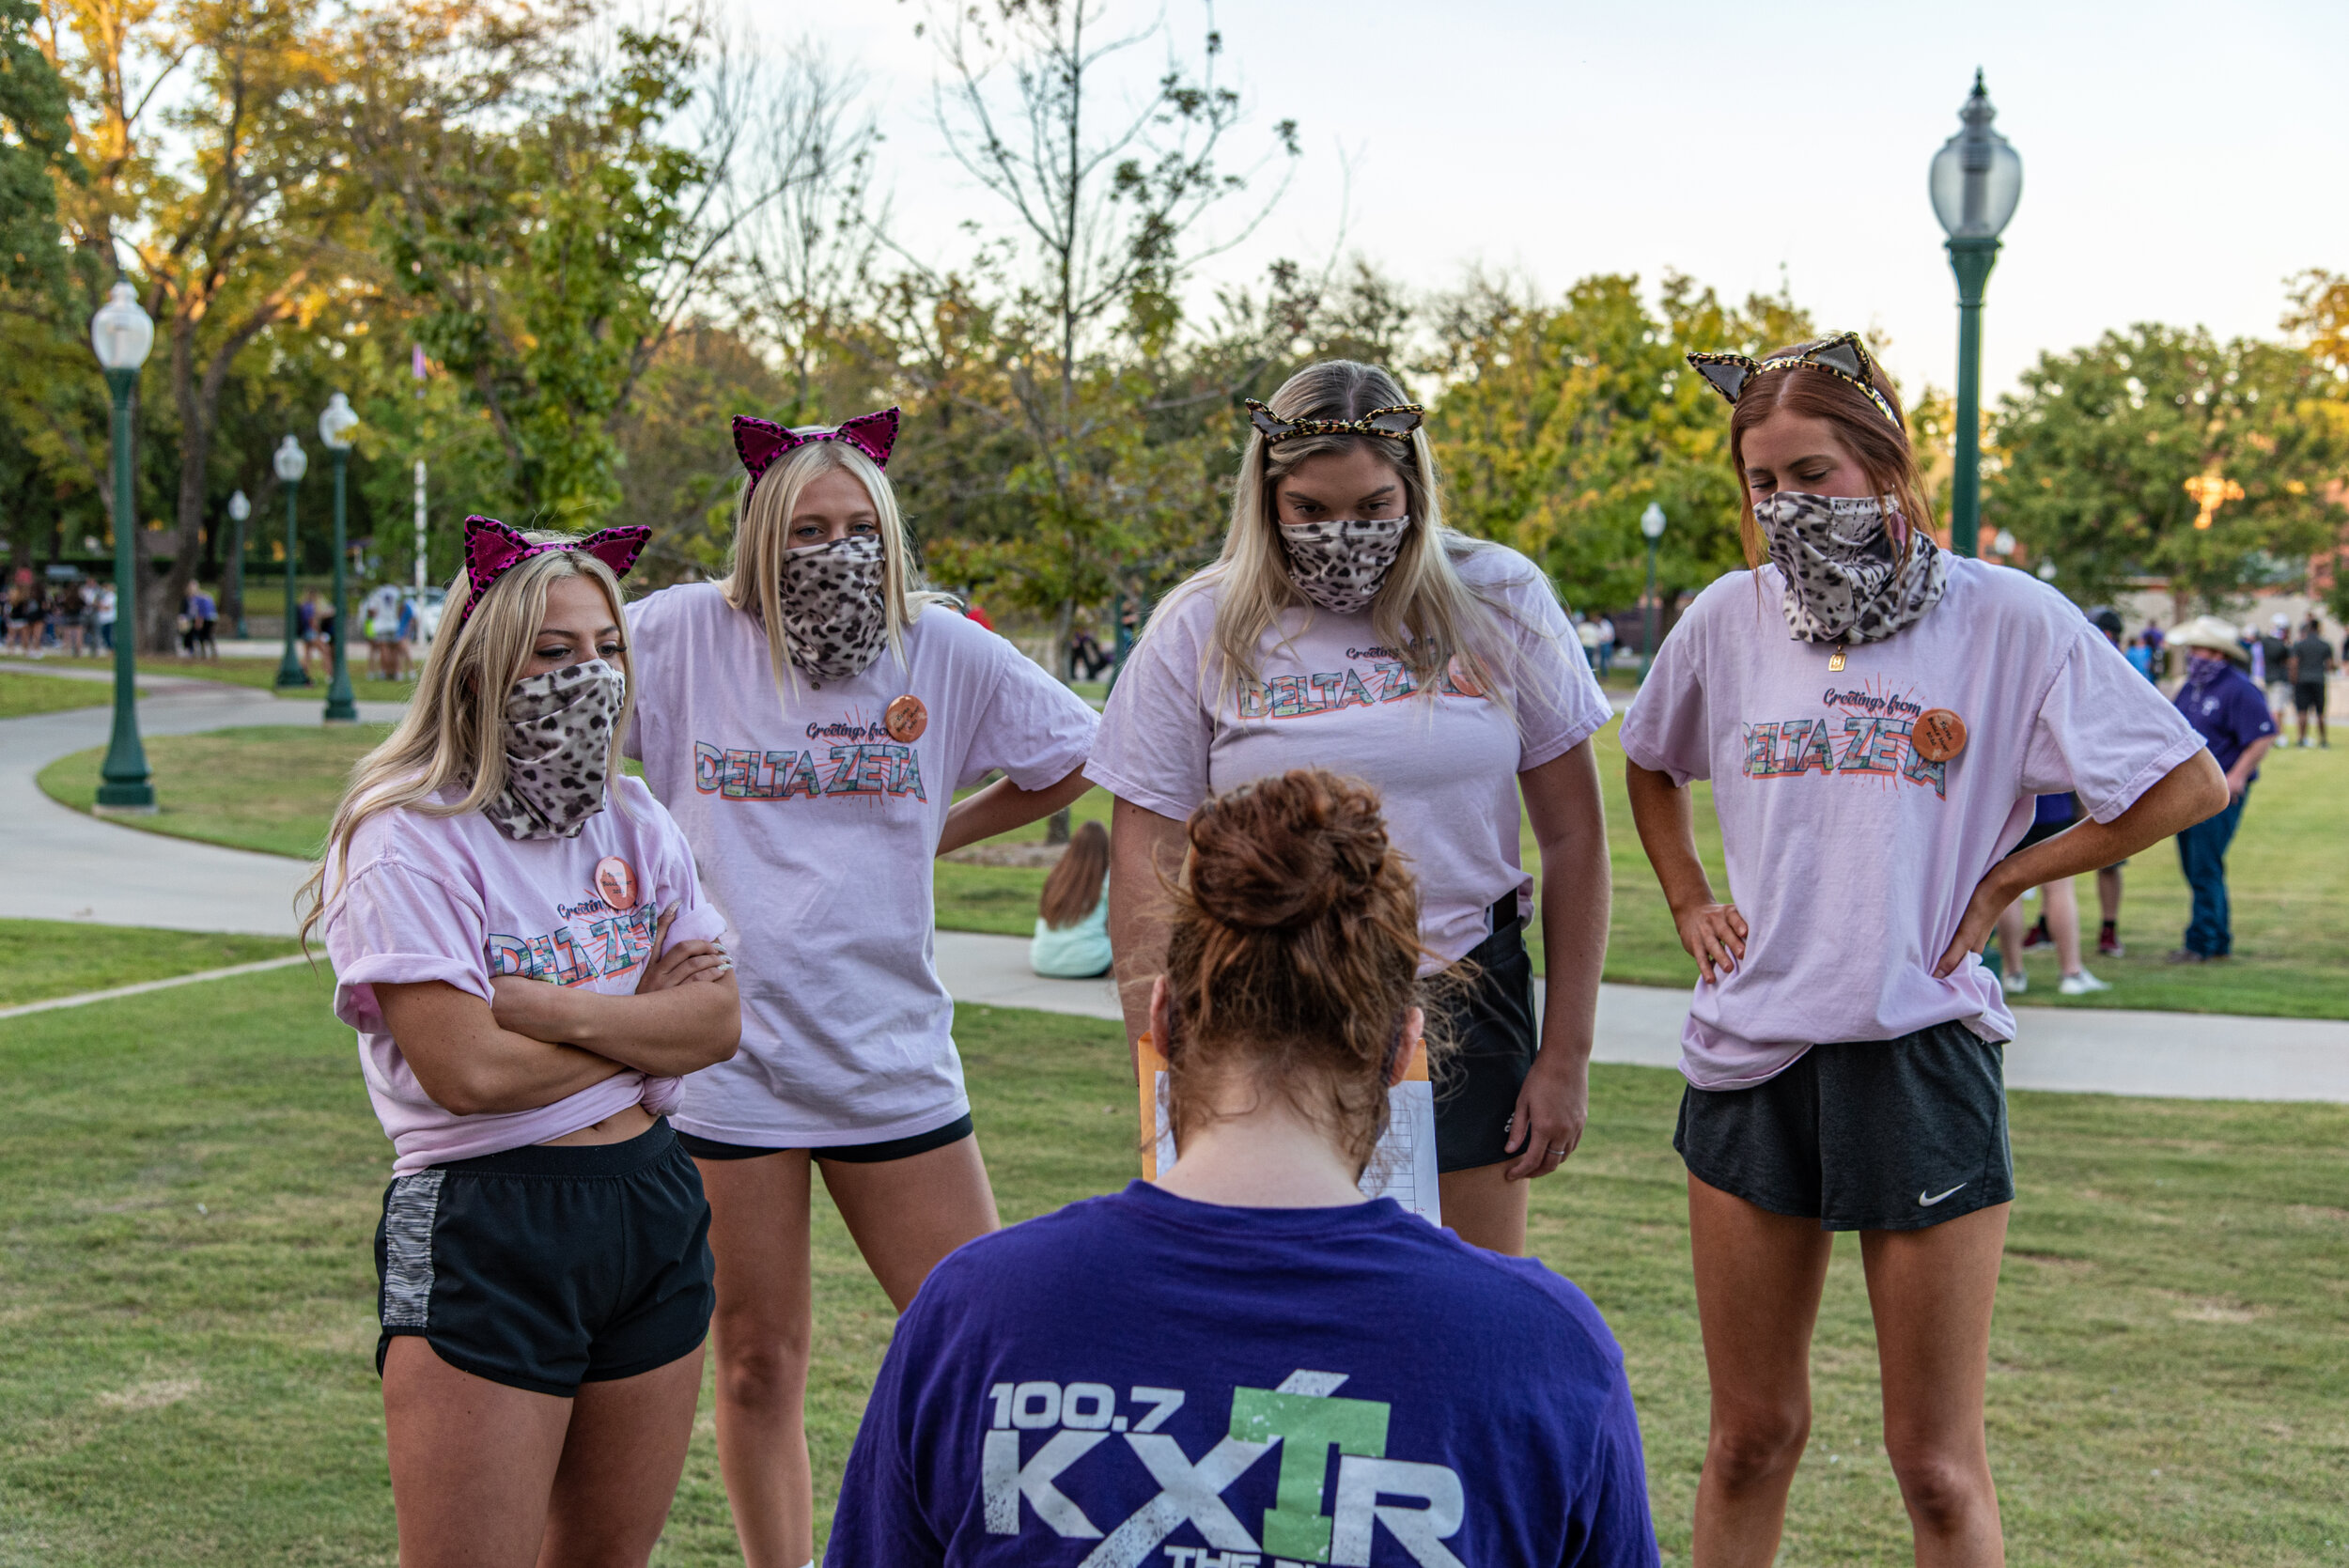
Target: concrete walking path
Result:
[64, 864]
[67, 865]
[2199, 1056]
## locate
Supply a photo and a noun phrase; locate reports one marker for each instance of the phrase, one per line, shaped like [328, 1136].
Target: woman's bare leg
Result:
[907, 1214]
[760, 1335]
[621, 1460]
[1484, 1210]
[2062, 904]
[473, 1462]
[2010, 936]
[1758, 1281]
[1932, 1292]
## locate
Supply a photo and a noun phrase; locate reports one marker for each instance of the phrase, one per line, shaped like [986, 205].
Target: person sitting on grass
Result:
[530, 974]
[1072, 925]
[1111, 1383]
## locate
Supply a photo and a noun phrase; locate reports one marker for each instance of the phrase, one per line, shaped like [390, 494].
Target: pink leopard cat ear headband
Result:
[760, 441]
[492, 550]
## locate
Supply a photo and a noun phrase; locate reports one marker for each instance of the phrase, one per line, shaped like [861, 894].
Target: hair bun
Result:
[1287, 851]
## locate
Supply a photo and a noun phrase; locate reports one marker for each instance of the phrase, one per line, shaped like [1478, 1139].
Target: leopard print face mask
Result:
[831, 607]
[1845, 580]
[1340, 565]
[558, 745]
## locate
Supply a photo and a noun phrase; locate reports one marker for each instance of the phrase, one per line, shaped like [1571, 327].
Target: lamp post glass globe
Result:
[1976, 178]
[238, 507]
[336, 422]
[1652, 525]
[2003, 542]
[290, 461]
[2046, 571]
[121, 332]
[1652, 522]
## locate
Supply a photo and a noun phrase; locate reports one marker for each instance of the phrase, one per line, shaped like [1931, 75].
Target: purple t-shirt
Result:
[1851, 856]
[2226, 709]
[1176, 730]
[816, 830]
[453, 899]
[1108, 1385]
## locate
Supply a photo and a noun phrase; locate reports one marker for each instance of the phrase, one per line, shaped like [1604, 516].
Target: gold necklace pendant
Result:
[1835, 661]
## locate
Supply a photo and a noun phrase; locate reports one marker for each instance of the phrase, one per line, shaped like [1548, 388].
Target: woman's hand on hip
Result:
[1715, 936]
[1991, 897]
[1552, 1107]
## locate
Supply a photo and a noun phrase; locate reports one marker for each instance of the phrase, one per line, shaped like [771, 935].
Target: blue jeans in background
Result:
[2203, 855]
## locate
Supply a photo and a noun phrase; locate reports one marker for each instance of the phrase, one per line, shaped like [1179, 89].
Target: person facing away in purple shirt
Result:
[1250, 1363]
[2231, 715]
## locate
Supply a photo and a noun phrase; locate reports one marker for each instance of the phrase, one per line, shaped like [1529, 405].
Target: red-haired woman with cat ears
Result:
[1872, 770]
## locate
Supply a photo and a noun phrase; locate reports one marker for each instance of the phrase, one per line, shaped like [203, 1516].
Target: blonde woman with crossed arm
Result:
[1344, 627]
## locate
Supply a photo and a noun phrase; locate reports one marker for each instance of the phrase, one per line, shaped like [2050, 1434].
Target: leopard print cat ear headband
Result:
[760, 441]
[1841, 356]
[492, 549]
[1395, 421]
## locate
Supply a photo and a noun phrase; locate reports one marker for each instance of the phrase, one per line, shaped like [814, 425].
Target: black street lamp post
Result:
[1651, 524]
[1976, 179]
[122, 333]
[291, 463]
[334, 427]
[239, 509]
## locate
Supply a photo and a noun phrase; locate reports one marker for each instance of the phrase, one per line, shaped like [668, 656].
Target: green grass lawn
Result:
[275, 788]
[271, 789]
[22, 695]
[188, 1299]
[261, 674]
[43, 958]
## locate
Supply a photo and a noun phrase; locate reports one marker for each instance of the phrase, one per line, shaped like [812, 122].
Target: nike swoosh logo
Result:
[1925, 1202]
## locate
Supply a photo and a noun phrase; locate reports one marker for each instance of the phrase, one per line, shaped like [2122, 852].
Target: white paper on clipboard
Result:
[1402, 1167]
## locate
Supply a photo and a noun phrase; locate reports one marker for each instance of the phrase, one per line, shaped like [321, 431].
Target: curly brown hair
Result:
[1293, 955]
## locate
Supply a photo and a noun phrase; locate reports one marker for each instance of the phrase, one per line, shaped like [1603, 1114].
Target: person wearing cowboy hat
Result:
[2230, 712]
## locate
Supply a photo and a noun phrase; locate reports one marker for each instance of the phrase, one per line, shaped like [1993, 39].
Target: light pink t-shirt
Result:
[1177, 730]
[1851, 856]
[451, 898]
[816, 833]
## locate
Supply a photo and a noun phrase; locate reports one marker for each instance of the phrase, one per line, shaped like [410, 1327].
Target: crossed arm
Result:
[538, 1042]
[1714, 933]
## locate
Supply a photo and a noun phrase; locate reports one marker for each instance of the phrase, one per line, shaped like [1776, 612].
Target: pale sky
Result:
[2180, 161]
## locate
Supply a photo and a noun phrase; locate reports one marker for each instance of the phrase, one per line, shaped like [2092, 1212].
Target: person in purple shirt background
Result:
[2230, 712]
[1248, 1363]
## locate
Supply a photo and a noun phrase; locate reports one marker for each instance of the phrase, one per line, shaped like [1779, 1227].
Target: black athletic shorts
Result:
[2307, 696]
[1867, 1135]
[1490, 1021]
[847, 1153]
[545, 1267]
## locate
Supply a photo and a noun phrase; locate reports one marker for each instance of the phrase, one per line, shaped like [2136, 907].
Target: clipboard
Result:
[1402, 1166]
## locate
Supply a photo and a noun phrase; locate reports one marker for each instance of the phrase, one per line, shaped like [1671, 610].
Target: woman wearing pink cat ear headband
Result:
[808, 718]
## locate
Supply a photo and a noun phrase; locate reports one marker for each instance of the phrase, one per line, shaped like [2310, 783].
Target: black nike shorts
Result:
[1868, 1135]
[845, 1153]
[1486, 1012]
[545, 1267]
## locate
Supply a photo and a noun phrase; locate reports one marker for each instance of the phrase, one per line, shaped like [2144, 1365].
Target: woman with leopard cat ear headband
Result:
[521, 939]
[1343, 626]
[809, 717]
[1873, 772]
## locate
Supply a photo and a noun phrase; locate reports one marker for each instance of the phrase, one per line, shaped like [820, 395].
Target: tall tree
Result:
[214, 184]
[1109, 207]
[2095, 450]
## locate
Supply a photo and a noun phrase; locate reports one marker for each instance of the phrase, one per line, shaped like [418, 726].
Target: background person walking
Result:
[2232, 716]
[2311, 658]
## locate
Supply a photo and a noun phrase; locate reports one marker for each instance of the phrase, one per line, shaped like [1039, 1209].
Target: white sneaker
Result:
[2081, 985]
[2016, 982]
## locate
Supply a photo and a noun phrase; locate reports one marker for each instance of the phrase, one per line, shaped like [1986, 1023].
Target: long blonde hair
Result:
[1425, 610]
[448, 738]
[762, 536]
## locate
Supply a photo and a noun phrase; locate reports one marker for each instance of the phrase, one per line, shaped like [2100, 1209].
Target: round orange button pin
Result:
[1939, 736]
[905, 719]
